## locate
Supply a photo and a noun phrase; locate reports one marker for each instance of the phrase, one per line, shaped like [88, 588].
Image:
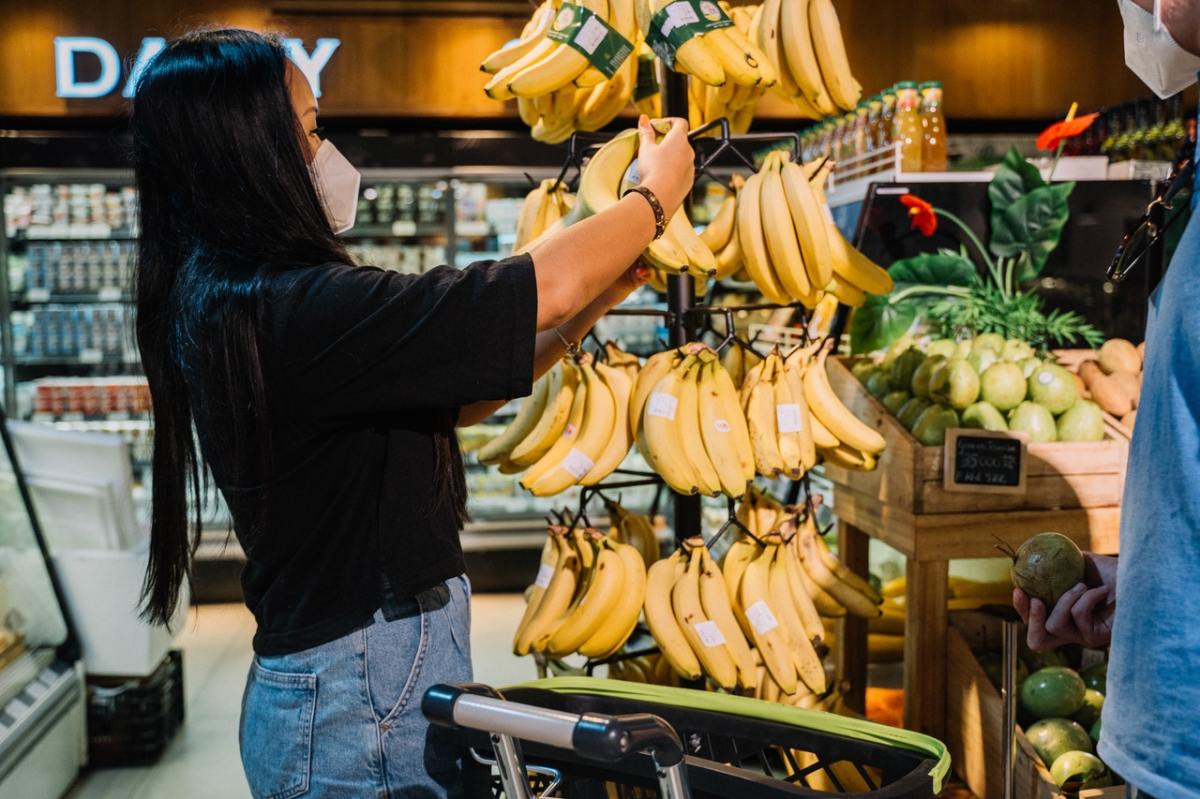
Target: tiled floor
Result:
[202, 762]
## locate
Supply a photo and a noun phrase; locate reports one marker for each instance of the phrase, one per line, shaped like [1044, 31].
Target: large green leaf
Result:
[879, 322]
[1032, 226]
[934, 269]
[1015, 177]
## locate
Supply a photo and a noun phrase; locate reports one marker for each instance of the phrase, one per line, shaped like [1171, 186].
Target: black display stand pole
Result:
[680, 291]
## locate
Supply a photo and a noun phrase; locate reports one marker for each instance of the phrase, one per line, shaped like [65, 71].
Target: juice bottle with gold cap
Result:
[862, 130]
[887, 115]
[933, 128]
[906, 126]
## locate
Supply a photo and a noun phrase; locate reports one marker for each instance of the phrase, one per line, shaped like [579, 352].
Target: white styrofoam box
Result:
[1075, 167]
[102, 590]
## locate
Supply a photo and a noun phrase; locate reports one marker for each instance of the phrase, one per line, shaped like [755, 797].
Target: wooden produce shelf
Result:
[1071, 488]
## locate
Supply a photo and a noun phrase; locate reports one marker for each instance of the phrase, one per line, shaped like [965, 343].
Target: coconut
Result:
[1117, 355]
[1046, 566]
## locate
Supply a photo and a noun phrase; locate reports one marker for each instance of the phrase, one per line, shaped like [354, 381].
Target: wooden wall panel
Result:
[999, 59]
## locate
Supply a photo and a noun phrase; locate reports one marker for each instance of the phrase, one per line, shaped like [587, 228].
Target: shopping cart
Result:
[588, 738]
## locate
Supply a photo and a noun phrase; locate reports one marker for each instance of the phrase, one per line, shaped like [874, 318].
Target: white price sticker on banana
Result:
[577, 464]
[544, 575]
[679, 22]
[787, 418]
[662, 404]
[709, 633]
[591, 35]
[721, 425]
[761, 618]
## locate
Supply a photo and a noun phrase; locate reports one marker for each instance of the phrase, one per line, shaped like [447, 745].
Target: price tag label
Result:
[721, 425]
[679, 22]
[787, 418]
[37, 295]
[404, 228]
[579, 28]
[544, 575]
[709, 633]
[984, 462]
[761, 617]
[661, 404]
[109, 294]
[91, 356]
[577, 464]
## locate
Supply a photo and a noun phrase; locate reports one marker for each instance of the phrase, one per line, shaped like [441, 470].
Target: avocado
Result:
[931, 428]
[1003, 385]
[911, 411]
[894, 400]
[924, 373]
[956, 384]
[903, 368]
[942, 346]
[988, 341]
[1033, 420]
[984, 416]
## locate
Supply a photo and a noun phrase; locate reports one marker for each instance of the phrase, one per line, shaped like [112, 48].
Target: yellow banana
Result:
[794, 375]
[655, 368]
[662, 432]
[738, 63]
[597, 428]
[833, 414]
[720, 230]
[703, 635]
[798, 49]
[566, 438]
[761, 422]
[769, 37]
[826, 605]
[754, 247]
[527, 417]
[619, 385]
[605, 584]
[846, 293]
[555, 601]
[535, 31]
[806, 608]
[849, 458]
[560, 67]
[701, 263]
[529, 220]
[810, 222]
[590, 78]
[788, 422]
[527, 110]
[844, 574]
[687, 422]
[855, 603]
[768, 635]
[782, 244]
[497, 87]
[804, 656]
[733, 568]
[537, 591]
[660, 618]
[615, 630]
[560, 395]
[714, 600]
[830, 48]
[693, 57]
[855, 268]
[723, 428]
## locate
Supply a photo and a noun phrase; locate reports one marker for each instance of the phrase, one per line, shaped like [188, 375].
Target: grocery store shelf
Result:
[396, 230]
[40, 296]
[82, 233]
[81, 359]
[101, 418]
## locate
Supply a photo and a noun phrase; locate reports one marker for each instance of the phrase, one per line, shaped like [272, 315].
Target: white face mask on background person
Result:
[337, 183]
[1153, 54]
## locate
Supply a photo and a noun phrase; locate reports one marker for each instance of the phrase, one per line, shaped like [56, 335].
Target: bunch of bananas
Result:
[558, 91]
[840, 436]
[542, 211]
[738, 360]
[634, 529]
[720, 235]
[715, 56]
[735, 101]
[649, 669]
[803, 40]
[587, 596]
[687, 423]
[792, 249]
[572, 430]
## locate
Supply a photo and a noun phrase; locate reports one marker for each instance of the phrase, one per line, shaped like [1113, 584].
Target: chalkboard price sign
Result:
[983, 461]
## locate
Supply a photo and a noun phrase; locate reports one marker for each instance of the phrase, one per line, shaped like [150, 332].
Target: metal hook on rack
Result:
[732, 521]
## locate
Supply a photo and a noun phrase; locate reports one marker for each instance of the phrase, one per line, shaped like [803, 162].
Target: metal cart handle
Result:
[591, 735]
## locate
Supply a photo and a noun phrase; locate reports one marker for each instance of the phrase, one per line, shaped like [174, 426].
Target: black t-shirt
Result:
[366, 371]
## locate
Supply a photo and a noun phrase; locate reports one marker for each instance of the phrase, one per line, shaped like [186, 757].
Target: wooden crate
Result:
[909, 475]
[975, 723]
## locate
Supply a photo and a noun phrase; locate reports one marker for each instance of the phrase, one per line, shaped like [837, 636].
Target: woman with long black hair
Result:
[324, 397]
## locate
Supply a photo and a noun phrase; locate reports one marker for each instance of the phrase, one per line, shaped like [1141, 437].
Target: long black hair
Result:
[225, 200]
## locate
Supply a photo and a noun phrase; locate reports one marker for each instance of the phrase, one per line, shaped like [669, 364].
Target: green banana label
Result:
[579, 28]
[647, 78]
[677, 23]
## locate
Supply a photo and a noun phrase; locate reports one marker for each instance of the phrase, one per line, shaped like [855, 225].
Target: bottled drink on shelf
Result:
[861, 133]
[933, 128]
[884, 133]
[874, 109]
[838, 139]
[906, 126]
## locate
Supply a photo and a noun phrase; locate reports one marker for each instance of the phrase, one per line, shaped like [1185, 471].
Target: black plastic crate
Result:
[130, 722]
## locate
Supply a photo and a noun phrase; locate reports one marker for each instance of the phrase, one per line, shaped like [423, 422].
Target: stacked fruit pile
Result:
[1113, 379]
[987, 383]
[1061, 710]
[573, 429]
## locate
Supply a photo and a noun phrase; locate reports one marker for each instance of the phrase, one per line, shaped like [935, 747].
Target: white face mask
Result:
[1153, 54]
[337, 182]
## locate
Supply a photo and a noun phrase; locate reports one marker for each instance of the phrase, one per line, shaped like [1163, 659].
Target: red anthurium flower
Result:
[1049, 138]
[921, 214]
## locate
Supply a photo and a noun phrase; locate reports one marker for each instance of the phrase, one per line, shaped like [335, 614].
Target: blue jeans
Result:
[343, 719]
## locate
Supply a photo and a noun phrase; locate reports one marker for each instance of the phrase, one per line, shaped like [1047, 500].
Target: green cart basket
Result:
[732, 746]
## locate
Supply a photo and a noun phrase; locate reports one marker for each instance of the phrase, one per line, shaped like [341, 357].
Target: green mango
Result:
[942, 346]
[1003, 385]
[1029, 364]
[931, 428]
[1016, 350]
[1053, 387]
[956, 384]
[904, 367]
[981, 358]
[863, 369]
[911, 411]
[989, 341]
[923, 374]
[894, 400]
[1082, 422]
[878, 384]
[984, 416]
[1033, 420]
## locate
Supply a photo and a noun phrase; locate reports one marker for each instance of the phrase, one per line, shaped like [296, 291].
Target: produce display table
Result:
[1071, 488]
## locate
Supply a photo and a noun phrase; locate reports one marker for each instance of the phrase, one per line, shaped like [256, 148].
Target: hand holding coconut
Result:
[1064, 596]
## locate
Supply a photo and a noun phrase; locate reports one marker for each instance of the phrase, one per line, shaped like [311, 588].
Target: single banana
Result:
[804, 656]
[782, 244]
[702, 634]
[662, 432]
[527, 110]
[849, 458]
[733, 568]
[754, 246]
[497, 87]
[619, 385]
[844, 573]
[806, 608]
[590, 78]
[788, 422]
[846, 293]
[830, 49]
[833, 414]
[566, 438]
[537, 591]
[559, 68]
[605, 585]
[529, 223]
[701, 263]
[793, 373]
[824, 440]
[769, 37]
[855, 603]
[597, 429]
[714, 601]
[765, 628]
[720, 230]
[655, 368]
[555, 601]
[522, 424]
[761, 422]
[660, 617]
[735, 365]
[855, 268]
[560, 396]
[688, 430]
[723, 428]
[810, 222]
[535, 31]
[801, 56]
